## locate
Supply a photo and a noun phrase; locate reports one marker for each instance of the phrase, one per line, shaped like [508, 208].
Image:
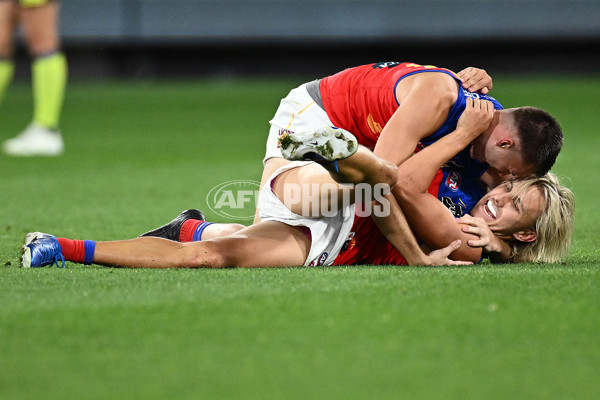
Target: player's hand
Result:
[476, 118]
[476, 80]
[440, 257]
[477, 226]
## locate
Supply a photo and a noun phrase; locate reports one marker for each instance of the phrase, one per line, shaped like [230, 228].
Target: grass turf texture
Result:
[138, 153]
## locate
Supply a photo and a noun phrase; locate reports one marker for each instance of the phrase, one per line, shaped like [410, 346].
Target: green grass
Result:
[138, 153]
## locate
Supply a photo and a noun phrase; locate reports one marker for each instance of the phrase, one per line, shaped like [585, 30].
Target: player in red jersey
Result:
[392, 107]
[288, 237]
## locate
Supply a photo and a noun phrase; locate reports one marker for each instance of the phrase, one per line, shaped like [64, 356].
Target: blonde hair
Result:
[554, 227]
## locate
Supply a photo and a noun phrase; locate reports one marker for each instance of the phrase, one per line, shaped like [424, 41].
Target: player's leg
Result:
[8, 20]
[49, 69]
[40, 24]
[192, 226]
[268, 244]
[49, 77]
[297, 112]
[218, 230]
[270, 166]
[317, 187]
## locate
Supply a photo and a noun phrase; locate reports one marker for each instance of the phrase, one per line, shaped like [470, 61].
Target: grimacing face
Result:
[509, 216]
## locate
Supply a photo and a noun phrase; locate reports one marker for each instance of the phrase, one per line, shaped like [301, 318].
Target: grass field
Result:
[138, 153]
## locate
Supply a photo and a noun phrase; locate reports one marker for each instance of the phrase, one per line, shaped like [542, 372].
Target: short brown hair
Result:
[541, 137]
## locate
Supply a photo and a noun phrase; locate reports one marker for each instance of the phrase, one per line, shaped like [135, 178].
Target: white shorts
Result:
[328, 234]
[298, 112]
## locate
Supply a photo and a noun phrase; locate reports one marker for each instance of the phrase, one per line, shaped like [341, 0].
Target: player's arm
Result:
[398, 233]
[425, 100]
[430, 220]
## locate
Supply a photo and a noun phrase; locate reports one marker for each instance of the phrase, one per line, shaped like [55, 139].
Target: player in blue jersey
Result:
[524, 211]
[39, 19]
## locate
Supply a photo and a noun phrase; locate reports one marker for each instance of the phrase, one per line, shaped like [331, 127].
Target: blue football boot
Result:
[41, 249]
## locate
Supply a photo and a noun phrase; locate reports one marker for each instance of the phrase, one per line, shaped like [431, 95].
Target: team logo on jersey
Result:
[375, 126]
[455, 209]
[453, 181]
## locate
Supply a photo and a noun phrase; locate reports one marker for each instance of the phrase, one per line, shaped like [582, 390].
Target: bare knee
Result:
[220, 230]
[205, 255]
[388, 173]
[40, 45]
[41, 29]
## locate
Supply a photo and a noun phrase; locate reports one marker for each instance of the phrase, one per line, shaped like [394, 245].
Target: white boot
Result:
[327, 143]
[35, 140]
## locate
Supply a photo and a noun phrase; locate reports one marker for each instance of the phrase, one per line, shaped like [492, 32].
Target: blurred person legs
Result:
[8, 18]
[49, 74]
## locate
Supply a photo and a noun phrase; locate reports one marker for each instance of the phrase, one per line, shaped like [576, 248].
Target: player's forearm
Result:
[435, 225]
[416, 173]
[396, 230]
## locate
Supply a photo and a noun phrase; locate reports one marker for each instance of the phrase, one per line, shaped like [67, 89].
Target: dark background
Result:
[221, 38]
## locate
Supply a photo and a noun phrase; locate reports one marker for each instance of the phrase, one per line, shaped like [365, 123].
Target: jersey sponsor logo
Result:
[453, 181]
[323, 258]
[454, 208]
[319, 260]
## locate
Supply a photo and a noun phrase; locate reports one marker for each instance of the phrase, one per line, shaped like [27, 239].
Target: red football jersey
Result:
[367, 245]
[362, 99]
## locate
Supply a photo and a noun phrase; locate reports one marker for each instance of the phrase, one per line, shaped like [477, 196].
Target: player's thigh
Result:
[309, 189]
[267, 244]
[271, 165]
[8, 21]
[40, 24]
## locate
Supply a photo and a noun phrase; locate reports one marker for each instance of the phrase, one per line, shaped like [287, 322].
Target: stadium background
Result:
[166, 38]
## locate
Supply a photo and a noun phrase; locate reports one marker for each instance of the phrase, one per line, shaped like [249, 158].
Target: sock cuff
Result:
[199, 229]
[90, 249]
